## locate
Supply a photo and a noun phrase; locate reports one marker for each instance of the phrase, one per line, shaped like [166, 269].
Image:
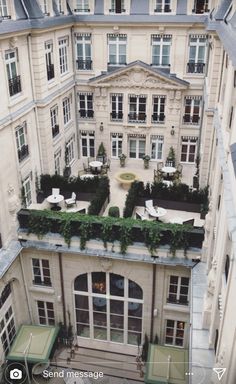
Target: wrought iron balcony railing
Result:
[84, 65]
[137, 117]
[23, 152]
[188, 119]
[195, 67]
[80, 10]
[116, 116]
[86, 114]
[50, 71]
[14, 85]
[158, 118]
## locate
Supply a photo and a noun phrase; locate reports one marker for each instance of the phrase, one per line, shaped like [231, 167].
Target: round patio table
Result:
[39, 368]
[168, 170]
[54, 200]
[87, 176]
[75, 380]
[96, 165]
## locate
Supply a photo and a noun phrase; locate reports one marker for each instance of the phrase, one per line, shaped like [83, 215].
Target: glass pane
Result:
[117, 321]
[99, 304]
[81, 283]
[117, 307]
[134, 338]
[135, 324]
[100, 333]
[82, 317]
[99, 282]
[116, 285]
[117, 336]
[83, 330]
[135, 309]
[100, 319]
[135, 291]
[81, 302]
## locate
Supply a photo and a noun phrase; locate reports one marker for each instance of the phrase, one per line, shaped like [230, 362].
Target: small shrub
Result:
[114, 212]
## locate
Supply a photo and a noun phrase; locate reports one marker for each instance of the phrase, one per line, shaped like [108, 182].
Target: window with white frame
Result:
[66, 110]
[27, 191]
[136, 147]
[162, 6]
[192, 110]
[197, 54]
[137, 108]
[21, 142]
[158, 115]
[86, 105]
[161, 50]
[117, 107]
[108, 307]
[157, 143]
[88, 144]
[45, 7]
[7, 329]
[178, 292]
[116, 145]
[188, 149]
[201, 6]
[46, 313]
[54, 120]
[117, 49]
[41, 272]
[83, 45]
[57, 162]
[49, 60]
[82, 6]
[174, 334]
[60, 6]
[117, 6]
[70, 149]
[63, 54]
[4, 13]
[14, 81]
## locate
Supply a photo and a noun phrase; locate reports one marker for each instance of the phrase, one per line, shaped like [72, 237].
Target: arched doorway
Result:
[108, 308]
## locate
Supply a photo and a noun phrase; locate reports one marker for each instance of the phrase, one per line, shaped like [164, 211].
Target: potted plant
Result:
[114, 212]
[101, 155]
[146, 159]
[171, 156]
[122, 158]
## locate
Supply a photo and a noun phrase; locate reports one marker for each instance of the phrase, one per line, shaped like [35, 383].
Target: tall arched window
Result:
[108, 307]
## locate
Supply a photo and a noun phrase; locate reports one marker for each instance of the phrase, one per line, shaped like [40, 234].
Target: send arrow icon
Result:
[220, 372]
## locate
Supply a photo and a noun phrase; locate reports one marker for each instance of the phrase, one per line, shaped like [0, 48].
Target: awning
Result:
[34, 342]
[166, 365]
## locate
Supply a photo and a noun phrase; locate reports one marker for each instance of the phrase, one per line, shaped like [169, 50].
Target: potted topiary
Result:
[101, 156]
[146, 159]
[171, 157]
[114, 212]
[122, 158]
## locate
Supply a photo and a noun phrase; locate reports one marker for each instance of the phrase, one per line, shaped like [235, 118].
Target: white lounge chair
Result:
[150, 208]
[55, 191]
[72, 200]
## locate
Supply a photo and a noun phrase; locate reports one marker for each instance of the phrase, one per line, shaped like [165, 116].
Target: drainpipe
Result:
[75, 89]
[62, 288]
[153, 299]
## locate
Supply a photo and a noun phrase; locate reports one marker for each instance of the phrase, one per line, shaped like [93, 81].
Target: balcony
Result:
[174, 300]
[163, 10]
[82, 10]
[23, 152]
[14, 85]
[84, 114]
[116, 116]
[158, 118]
[50, 72]
[55, 130]
[195, 67]
[84, 65]
[137, 117]
[188, 119]
[117, 10]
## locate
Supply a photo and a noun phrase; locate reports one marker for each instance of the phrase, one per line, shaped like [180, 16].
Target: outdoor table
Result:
[158, 212]
[168, 170]
[96, 165]
[75, 380]
[39, 368]
[54, 200]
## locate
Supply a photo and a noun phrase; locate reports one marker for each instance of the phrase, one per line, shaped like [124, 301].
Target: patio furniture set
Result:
[167, 173]
[96, 167]
[55, 198]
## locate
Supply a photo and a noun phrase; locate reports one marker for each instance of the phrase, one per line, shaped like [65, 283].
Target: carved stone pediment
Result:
[139, 76]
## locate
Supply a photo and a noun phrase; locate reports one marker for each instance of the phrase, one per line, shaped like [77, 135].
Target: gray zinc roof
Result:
[222, 9]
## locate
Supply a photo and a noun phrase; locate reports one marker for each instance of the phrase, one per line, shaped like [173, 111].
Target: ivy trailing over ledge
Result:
[111, 229]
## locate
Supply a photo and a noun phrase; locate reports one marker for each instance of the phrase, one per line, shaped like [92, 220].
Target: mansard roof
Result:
[133, 75]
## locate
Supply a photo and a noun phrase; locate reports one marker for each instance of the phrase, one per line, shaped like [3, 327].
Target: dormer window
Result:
[45, 8]
[82, 6]
[117, 6]
[60, 6]
[162, 6]
[4, 10]
[201, 6]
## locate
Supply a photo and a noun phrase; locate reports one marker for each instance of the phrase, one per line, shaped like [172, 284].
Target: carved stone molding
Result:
[106, 264]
